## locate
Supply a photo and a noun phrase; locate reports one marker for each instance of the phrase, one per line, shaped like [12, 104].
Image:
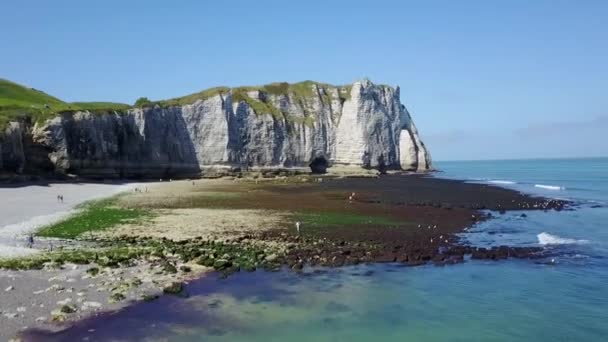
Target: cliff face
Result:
[362, 125]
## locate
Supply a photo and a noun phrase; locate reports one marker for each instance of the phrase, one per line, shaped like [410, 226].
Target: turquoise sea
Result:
[514, 300]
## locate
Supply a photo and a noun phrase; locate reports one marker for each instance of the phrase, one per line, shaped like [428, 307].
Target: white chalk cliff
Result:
[283, 126]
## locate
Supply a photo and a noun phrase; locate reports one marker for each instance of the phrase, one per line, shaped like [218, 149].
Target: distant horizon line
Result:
[513, 159]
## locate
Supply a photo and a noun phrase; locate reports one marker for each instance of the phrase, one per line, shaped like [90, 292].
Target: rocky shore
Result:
[233, 225]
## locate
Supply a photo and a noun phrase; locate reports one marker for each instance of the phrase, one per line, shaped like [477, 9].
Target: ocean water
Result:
[513, 300]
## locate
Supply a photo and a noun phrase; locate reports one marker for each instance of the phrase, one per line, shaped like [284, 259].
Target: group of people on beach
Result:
[139, 190]
[59, 198]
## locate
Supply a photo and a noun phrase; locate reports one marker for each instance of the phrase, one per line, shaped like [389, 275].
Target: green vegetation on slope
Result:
[190, 99]
[259, 107]
[20, 102]
[14, 94]
[93, 216]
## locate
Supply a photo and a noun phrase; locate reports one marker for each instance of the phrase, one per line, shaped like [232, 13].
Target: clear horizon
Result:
[483, 81]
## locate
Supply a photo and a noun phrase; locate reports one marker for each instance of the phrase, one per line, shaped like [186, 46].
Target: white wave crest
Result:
[550, 239]
[501, 182]
[549, 187]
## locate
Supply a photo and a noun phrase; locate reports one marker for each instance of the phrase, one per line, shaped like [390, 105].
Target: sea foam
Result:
[501, 182]
[550, 239]
[549, 187]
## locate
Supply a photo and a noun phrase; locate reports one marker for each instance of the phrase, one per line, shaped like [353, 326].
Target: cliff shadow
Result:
[168, 145]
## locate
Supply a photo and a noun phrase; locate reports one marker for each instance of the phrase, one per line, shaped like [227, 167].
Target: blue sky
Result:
[482, 79]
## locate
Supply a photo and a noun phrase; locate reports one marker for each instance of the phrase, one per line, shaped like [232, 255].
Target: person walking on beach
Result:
[298, 227]
[30, 241]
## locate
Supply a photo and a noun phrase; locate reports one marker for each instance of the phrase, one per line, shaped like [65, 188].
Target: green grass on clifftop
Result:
[93, 216]
[20, 102]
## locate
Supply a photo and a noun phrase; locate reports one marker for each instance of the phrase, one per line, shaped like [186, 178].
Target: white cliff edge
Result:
[363, 125]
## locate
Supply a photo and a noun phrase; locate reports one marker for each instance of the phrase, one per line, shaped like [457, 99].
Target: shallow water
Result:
[566, 300]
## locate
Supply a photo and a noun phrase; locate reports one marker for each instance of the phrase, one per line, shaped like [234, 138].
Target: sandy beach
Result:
[25, 208]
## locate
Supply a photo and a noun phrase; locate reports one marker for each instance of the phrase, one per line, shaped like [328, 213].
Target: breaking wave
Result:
[549, 187]
[550, 239]
[501, 182]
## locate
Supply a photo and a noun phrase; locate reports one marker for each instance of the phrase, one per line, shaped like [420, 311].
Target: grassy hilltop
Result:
[18, 101]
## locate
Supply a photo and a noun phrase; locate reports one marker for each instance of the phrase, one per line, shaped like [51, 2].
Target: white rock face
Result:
[361, 125]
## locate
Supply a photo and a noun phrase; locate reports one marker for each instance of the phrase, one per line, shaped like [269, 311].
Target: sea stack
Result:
[276, 126]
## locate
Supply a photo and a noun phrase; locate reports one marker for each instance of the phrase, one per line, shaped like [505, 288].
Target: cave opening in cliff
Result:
[319, 165]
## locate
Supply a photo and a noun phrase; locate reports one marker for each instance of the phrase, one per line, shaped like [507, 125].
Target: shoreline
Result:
[343, 245]
[34, 205]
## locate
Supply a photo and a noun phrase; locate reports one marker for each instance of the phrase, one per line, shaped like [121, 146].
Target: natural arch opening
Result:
[319, 165]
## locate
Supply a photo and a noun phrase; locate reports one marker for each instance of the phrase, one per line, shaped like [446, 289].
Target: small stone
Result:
[10, 315]
[58, 316]
[91, 305]
[93, 271]
[10, 288]
[221, 264]
[116, 297]
[54, 287]
[271, 257]
[40, 319]
[65, 301]
[149, 297]
[68, 309]
[21, 309]
[175, 288]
